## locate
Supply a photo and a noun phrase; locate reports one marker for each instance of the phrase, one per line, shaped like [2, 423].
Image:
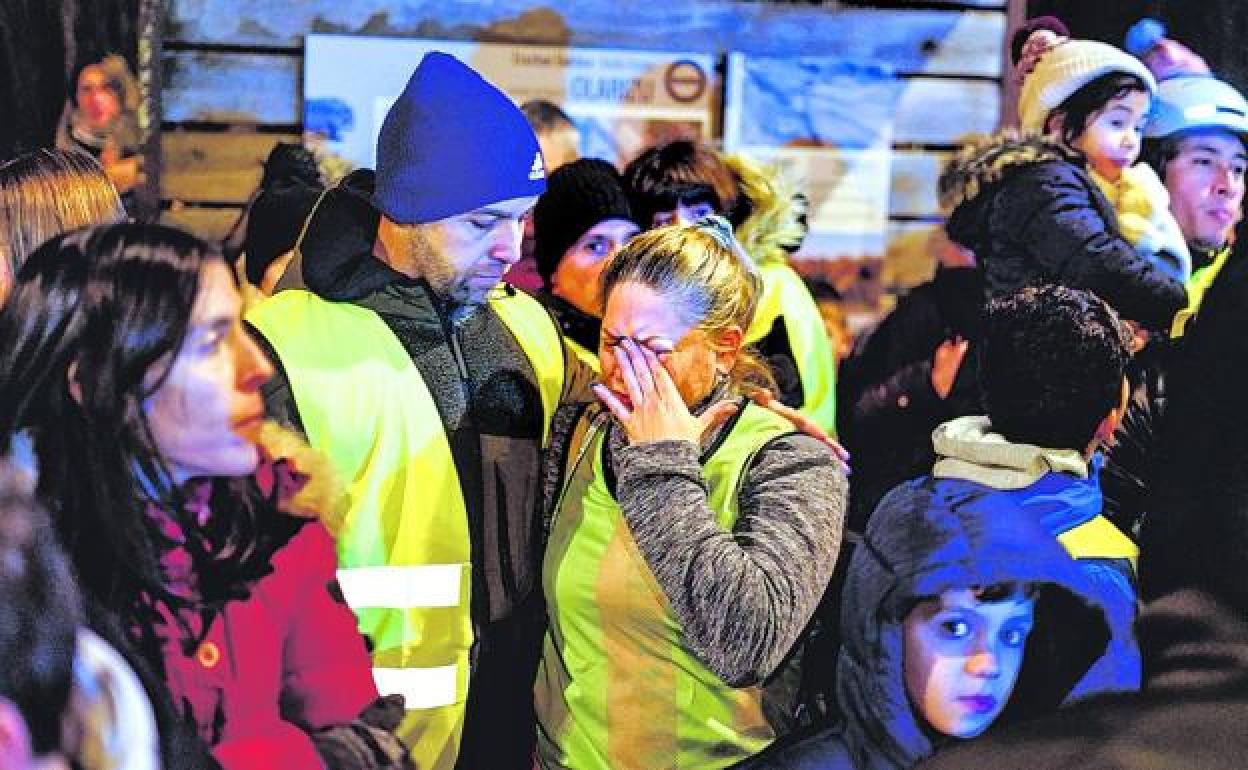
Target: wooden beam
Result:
[216, 167]
[947, 40]
[211, 224]
[251, 89]
[233, 88]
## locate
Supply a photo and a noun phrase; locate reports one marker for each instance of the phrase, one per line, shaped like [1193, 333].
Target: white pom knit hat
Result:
[1063, 69]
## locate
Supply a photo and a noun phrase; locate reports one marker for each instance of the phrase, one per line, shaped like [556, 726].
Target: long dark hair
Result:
[108, 308]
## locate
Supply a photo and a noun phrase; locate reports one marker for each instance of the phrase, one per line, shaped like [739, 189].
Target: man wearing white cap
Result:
[1195, 141]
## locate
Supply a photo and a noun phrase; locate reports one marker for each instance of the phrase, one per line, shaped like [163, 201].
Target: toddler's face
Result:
[962, 657]
[1111, 139]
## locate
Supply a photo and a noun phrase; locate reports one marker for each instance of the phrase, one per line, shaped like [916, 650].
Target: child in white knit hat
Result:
[1094, 99]
[1027, 206]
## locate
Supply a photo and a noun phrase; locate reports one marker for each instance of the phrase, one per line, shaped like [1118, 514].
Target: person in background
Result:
[960, 614]
[1053, 371]
[1164, 56]
[914, 370]
[101, 119]
[682, 181]
[1197, 141]
[580, 222]
[557, 134]
[288, 191]
[45, 193]
[560, 143]
[39, 618]
[1108, 138]
[1029, 209]
[191, 524]
[684, 556]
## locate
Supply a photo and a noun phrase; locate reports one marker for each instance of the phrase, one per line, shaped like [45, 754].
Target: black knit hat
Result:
[274, 224]
[578, 196]
[288, 190]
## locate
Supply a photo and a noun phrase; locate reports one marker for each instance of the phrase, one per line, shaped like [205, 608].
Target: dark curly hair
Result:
[1051, 365]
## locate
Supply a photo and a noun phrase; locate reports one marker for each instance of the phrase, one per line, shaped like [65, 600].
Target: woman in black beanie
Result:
[288, 191]
[579, 223]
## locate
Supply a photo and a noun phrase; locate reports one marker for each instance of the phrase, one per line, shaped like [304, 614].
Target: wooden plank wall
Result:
[232, 75]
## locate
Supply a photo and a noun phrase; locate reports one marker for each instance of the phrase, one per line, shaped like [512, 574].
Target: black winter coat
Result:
[1033, 216]
[886, 406]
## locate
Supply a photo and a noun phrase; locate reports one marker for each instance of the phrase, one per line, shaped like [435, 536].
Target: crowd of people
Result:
[497, 457]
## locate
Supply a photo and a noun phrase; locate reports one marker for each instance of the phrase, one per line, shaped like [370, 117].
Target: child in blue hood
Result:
[959, 613]
[1051, 369]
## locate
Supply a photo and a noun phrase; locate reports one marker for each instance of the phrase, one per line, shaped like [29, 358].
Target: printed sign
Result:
[830, 122]
[622, 101]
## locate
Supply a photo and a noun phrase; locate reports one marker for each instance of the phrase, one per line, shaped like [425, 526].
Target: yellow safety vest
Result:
[617, 688]
[1098, 538]
[583, 354]
[785, 294]
[1197, 285]
[404, 552]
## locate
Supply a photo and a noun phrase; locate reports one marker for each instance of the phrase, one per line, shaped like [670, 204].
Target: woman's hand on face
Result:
[656, 411]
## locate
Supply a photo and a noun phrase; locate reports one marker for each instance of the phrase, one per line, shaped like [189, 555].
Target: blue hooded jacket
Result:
[1061, 490]
[927, 537]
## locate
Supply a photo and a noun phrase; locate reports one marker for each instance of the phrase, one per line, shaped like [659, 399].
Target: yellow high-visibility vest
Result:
[785, 294]
[404, 549]
[1197, 285]
[617, 688]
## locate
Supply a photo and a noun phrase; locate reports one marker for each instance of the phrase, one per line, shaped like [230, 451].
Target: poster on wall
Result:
[622, 101]
[829, 121]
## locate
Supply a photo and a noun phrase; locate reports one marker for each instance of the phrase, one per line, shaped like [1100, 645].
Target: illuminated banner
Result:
[623, 101]
[830, 121]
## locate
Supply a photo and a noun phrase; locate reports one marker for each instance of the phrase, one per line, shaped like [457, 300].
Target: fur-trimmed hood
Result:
[774, 227]
[303, 481]
[985, 159]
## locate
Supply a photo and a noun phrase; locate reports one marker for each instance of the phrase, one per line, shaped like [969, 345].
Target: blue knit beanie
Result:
[453, 143]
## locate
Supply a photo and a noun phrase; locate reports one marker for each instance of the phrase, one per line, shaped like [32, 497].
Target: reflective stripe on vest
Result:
[403, 547]
[785, 294]
[617, 687]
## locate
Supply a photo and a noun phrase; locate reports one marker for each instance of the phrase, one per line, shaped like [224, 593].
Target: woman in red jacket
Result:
[127, 366]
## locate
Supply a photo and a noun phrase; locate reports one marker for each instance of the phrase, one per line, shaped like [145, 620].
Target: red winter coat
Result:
[285, 660]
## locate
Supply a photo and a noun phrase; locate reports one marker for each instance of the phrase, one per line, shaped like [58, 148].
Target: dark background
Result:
[1215, 29]
[42, 40]
[40, 43]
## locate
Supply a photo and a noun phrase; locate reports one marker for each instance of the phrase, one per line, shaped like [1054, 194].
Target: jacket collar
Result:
[967, 448]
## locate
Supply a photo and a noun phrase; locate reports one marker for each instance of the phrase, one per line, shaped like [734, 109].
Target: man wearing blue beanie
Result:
[430, 386]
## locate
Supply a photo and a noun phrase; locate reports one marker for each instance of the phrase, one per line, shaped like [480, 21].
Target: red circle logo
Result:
[685, 81]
